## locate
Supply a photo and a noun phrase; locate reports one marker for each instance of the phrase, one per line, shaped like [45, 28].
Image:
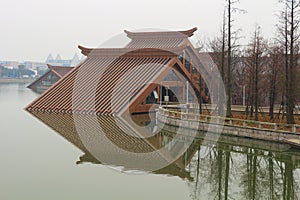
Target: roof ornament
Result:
[161, 34]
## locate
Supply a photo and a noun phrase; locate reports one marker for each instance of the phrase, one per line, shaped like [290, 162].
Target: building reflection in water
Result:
[234, 168]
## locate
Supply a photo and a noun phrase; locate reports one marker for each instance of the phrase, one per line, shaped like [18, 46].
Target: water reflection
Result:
[233, 172]
[234, 168]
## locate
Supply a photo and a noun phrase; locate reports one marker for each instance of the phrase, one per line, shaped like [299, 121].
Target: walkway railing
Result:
[191, 114]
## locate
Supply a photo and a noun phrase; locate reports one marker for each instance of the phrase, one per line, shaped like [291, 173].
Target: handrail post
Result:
[276, 127]
[294, 129]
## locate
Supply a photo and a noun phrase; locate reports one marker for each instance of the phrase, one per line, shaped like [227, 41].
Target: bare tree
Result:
[288, 29]
[255, 61]
[222, 96]
[228, 82]
[259, 48]
[275, 63]
[218, 48]
[231, 44]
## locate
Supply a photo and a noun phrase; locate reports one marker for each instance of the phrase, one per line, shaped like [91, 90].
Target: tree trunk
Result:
[271, 176]
[291, 88]
[254, 176]
[272, 99]
[227, 170]
[289, 62]
[272, 91]
[220, 172]
[228, 84]
[221, 93]
[252, 94]
[256, 82]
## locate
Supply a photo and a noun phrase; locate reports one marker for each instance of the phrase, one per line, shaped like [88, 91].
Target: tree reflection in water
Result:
[237, 172]
[233, 168]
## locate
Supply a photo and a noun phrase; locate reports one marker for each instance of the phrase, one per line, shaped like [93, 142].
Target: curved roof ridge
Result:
[131, 52]
[161, 34]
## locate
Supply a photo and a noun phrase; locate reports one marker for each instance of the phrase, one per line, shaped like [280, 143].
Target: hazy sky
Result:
[32, 29]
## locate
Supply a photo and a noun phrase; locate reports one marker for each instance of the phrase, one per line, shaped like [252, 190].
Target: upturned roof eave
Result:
[162, 34]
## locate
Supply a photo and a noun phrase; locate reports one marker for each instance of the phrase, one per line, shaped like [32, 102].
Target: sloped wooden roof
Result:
[64, 124]
[167, 39]
[103, 74]
[59, 71]
[130, 52]
[117, 133]
[94, 85]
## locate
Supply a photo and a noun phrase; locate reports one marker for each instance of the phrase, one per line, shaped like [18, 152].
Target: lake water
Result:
[62, 156]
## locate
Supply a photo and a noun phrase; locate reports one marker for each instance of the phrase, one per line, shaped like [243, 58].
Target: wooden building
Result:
[54, 74]
[153, 68]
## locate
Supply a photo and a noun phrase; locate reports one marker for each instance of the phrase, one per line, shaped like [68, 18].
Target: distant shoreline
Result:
[16, 80]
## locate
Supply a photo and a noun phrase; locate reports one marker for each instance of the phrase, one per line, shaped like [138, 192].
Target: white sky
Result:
[31, 29]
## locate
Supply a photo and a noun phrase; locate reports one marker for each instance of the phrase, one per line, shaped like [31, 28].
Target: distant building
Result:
[58, 61]
[54, 74]
[10, 64]
[32, 69]
[34, 65]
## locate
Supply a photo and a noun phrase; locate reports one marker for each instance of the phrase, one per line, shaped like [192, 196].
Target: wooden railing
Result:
[191, 114]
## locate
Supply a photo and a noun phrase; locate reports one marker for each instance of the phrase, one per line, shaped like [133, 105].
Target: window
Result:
[187, 61]
[151, 99]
